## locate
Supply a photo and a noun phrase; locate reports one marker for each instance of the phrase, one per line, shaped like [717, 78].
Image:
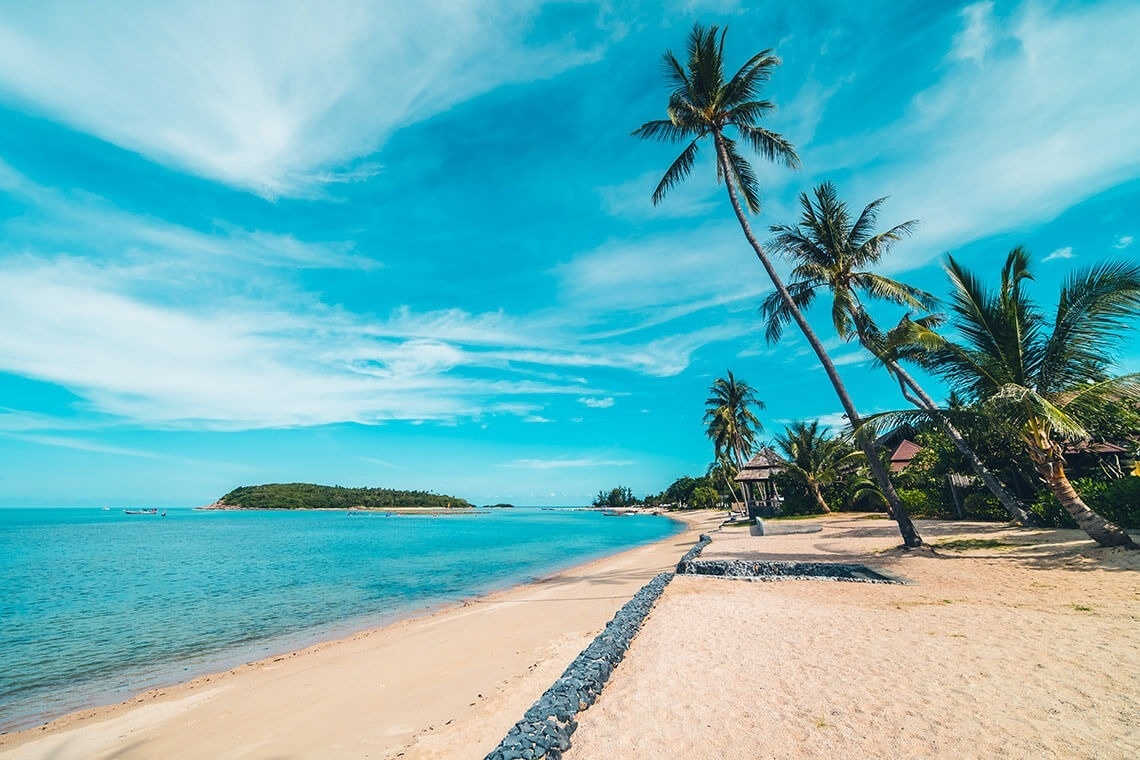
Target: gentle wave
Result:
[98, 605]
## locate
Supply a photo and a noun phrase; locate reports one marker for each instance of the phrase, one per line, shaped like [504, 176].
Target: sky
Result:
[412, 245]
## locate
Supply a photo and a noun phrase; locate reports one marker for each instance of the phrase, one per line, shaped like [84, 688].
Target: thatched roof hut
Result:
[761, 467]
[761, 494]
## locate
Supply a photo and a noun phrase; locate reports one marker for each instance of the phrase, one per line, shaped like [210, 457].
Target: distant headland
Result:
[310, 496]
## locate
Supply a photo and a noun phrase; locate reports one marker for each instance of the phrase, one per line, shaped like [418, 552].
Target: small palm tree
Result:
[1043, 377]
[833, 252]
[729, 419]
[815, 459]
[704, 104]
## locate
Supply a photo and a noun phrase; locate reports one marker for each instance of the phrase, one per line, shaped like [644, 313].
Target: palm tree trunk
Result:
[1051, 468]
[923, 401]
[818, 496]
[898, 511]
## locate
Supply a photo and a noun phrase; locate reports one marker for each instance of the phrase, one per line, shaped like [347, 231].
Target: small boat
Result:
[141, 511]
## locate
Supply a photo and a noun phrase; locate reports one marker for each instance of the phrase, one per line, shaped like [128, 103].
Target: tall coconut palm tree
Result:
[729, 419]
[834, 252]
[703, 104]
[1043, 377]
[816, 459]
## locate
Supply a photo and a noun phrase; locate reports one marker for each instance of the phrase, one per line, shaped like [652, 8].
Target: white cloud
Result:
[1122, 242]
[1060, 253]
[976, 37]
[273, 97]
[597, 403]
[834, 420]
[1009, 140]
[536, 419]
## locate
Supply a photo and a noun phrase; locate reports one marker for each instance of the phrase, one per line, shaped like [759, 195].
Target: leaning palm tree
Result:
[1044, 379]
[703, 104]
[816, 459]
[834, 252]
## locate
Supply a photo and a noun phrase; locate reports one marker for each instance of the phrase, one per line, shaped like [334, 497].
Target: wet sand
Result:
[449, 684]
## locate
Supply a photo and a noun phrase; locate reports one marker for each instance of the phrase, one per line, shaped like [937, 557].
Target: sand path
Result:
[1021, 651]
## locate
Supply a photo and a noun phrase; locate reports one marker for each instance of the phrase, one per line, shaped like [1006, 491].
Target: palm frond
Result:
[983, 325]
[775, 312]
[746, 84]
[773, 147]
[893, 291]
[740, 173]
[748, 113]
[680, 168]
[1096, 308]
[1018, 406]
[662, 130]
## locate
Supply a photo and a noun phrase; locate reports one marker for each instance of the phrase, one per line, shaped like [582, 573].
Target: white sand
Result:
[1018, 652]
[1026, 652]
[448, 685]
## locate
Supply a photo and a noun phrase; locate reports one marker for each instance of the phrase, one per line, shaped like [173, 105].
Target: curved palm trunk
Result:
[898, 511]
[1050, 465]
[818, 496]
[923, 401]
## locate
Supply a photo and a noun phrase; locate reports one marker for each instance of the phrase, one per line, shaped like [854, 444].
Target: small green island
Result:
[310, 496]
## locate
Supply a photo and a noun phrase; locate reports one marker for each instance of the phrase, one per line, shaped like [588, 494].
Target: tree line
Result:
[310, 496]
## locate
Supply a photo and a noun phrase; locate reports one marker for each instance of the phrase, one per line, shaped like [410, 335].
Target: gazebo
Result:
[761, 496]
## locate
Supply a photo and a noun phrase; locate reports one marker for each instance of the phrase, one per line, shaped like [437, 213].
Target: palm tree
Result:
[729, 419]
[724, 469]
[702, 104]
[815, 459]
[1043, 379]
[833, 252]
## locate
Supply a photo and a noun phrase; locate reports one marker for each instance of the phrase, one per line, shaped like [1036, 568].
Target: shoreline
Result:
[505, 654]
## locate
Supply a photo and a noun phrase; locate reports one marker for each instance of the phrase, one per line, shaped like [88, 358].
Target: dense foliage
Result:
[309, 496]
[615, 498]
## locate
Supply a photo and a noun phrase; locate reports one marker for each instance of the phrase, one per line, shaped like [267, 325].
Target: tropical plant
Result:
[704, 497]
[723, 470]
[729, 419]
[704, 104]
[816, 459]
[1043, 377]
[834, 252]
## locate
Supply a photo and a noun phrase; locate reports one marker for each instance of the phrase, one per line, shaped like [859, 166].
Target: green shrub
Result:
[921, 502]
[983, 505]
[1115, 500]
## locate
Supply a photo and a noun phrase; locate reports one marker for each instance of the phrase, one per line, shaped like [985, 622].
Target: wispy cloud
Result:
[277, 98]
[597, 403]
[976, 36]
[1012, 134]
[1060, 253]
[1122, 242]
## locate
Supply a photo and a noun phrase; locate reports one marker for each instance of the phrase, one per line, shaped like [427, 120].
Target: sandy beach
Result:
[1027, 649]
[448, 684]
[1004, 643]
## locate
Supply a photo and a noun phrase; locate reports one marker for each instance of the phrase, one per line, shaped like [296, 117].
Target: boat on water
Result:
[141, 512]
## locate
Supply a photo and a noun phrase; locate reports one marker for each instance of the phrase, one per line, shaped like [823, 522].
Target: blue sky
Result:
[359, 243]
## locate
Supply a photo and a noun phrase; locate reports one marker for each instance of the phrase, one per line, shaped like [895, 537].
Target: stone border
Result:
[692, 554]
[544, 731]
[773, 571]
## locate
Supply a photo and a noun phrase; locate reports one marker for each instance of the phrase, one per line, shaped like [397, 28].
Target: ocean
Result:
[97, 605]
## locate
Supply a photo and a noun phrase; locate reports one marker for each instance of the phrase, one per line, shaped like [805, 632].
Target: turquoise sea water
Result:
[96, 605]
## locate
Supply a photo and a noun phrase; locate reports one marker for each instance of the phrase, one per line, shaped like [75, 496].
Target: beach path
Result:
[1009, 643]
